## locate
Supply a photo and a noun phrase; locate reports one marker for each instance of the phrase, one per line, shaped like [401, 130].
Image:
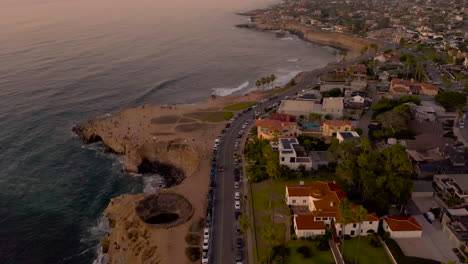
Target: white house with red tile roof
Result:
[322, 200]
[402, 227]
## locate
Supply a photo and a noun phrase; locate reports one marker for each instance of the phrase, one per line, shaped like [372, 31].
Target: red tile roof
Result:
[306, 222]
[402, 224]
[336, 123]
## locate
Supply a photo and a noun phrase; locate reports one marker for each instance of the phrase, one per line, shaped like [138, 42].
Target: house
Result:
[358, 70]
[319, 159]
[331, 127]
[292, 154]
[342, 136]
[299, 107]
[402, 227]
[423, 113]
[399, 86]
[322, 200]
[455, 225]
[357, 99]
[310, 95]
[269, 129]
[383, 57]
[333, 106]
[283, 117]
[454, 184]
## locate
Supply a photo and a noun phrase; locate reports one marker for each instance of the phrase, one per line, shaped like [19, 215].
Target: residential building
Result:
[358, 71]
[322, 201]
[269, 129]
[283, 117]
[399, 86]
[299, 107]
[455, 225]
[423, 113]
[292, 154]
[346, 135]
[402, 227]
[333, 106]
[453, 184]
[331, 127]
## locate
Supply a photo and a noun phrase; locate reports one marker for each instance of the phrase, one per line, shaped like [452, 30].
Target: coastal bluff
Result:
[350, 43]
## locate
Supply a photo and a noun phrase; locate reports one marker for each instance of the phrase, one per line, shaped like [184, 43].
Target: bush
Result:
[193, 253]
[192, 239]
[347, 237]
[105, 245]
[293, 237]
[358, 130]
[304, 251]
[375, 240]
[280, 253]
[323, 243]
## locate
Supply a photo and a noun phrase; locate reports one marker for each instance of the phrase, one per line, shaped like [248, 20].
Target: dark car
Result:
[228, 125]
[239, 243]
[220, 169]
[238, 231]
[239, 255]
[237, 214]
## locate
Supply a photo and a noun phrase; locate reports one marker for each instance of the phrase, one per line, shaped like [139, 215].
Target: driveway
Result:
[434, 243]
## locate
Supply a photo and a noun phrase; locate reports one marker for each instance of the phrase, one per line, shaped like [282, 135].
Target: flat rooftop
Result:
[287, 142]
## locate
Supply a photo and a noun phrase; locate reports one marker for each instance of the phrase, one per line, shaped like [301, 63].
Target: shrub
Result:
[293, 237]
[192, 239]
[375, 240]
[323, 243]
[347, 237]
[193, 253]
[280, 253]
[358, 130]
[304, 251]
[105, 245]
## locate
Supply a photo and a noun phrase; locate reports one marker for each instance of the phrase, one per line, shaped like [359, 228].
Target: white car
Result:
[204, 259]
[237, 205]
[236, 185]
[206, 233]
[237, 195]
[244, 126]
[206, 244]
[241, 132]
[461, 124]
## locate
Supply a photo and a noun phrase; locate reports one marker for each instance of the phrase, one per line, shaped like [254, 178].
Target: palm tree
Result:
[272, 78]
[360, 215]
[345, 219]
[258, 83]
[264, 81]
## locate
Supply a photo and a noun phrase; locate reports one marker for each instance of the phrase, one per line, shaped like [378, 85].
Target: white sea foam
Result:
[97, 232]
[152, 183]
[293, 60]
[229, 91]
[287, 38]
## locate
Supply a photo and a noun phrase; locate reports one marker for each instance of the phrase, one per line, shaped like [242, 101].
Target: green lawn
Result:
[367, 253]
[268, 197]
[217, 116]
[318, 257]
[240, 106]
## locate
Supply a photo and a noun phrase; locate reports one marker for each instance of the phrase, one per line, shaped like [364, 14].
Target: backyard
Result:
[316, 256]
[268, 200]
[368, 254]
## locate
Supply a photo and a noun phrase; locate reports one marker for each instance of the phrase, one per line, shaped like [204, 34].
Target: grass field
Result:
[217, 116]
[317, 256]
[367, 253]
[237, 107]
[268, 199]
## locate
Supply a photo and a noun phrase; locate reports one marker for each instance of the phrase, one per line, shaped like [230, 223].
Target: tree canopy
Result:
[380, 178]
[451, 100]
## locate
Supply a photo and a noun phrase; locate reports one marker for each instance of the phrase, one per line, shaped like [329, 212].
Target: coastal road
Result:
[223, 248]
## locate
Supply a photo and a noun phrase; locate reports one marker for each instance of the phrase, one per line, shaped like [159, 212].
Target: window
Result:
[318, 218]
[354, 225]
[347, 129]
[304, 201]
[292, 159]
[352, 233]
[293, 201]
[370, 223]
[325, 218]
[282, 158]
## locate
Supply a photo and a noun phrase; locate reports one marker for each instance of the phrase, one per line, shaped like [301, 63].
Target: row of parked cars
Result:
[214, 172]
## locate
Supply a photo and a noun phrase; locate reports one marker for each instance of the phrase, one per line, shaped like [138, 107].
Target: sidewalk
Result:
[336, 252]
[250, 240]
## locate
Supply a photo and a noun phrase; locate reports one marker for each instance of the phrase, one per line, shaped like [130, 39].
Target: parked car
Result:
[236, 162]
[228, 125]
[204, 259]
[239, 243]
[237, 205]
[461, 124]
[241, 132]
[237, 214]
[236, 185]
[244, 126]
[206, 233]
[236, 195]
[206, 244]
[238, 231]
[239, 255]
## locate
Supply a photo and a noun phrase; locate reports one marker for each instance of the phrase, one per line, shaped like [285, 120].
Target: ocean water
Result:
[63, 61]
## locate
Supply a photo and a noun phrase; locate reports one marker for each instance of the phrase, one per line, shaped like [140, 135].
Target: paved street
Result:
[223, 248]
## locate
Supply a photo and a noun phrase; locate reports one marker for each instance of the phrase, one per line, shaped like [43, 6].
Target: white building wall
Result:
[365, 227]
[401, 234]
[308, 233]
[298, 200]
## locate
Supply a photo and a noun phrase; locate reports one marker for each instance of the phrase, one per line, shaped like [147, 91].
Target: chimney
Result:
[301, 182]
[332, 204]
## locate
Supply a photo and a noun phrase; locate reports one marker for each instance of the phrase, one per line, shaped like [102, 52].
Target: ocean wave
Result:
[96, 232]
[293, 60]
[152, 183]
[287, 38]
[229, 91]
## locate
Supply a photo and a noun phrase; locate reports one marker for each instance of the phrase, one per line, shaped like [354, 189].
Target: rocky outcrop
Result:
[341, 41]
[175, 152]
